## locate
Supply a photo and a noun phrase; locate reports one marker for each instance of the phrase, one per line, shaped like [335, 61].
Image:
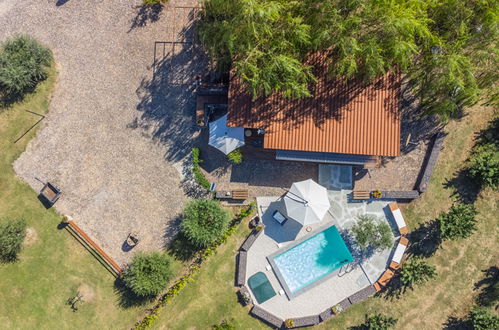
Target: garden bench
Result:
[399, 253]
[361, 194]
[399, 218]
[384, 279]
[240, 194]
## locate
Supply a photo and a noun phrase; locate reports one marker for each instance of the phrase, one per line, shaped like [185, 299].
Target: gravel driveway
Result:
[116, 135]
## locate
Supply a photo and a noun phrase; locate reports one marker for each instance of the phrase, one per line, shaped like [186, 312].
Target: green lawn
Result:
[34, 290]
[212, 297]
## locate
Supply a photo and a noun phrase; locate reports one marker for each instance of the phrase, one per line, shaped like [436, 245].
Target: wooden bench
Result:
[360, 194]
[384, 279]
[399, 253]
[399, 218]
[240, 194]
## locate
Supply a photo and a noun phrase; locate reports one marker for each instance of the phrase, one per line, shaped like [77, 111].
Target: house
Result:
[342, 123]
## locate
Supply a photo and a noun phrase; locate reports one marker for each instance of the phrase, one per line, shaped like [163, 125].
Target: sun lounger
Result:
[384, 279]
[399, 219]
[399, 253]
[281, 219]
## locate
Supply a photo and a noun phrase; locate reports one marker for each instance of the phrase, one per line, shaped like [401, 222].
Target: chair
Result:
[399, 218]
[399, 253]
[281, 219]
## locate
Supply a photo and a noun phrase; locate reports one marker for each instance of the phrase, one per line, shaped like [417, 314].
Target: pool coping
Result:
[280, 277]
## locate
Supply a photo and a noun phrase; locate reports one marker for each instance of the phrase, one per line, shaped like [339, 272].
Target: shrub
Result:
[416, 272]
[379, 322]
[289, 323]
[205, 221]
[153, 2]
[148, 274]
[459, 222]
[236, 156]
[23, 64]
[198, 175]
[371, 233]
[225, 325]
[483, 319]
[12, 233]
[484, 165]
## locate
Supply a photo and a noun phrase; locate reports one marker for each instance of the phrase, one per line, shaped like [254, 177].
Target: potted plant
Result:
[376, 194]
[336, 309]
[289, 323]
[259, 227]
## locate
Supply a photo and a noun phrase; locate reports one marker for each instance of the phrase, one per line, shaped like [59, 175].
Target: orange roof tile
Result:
[341, 117]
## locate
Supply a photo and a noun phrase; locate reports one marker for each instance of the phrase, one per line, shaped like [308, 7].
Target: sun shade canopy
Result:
[225, 139]
[306, 202]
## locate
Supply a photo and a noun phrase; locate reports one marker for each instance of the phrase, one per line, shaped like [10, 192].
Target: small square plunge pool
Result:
[310, 260]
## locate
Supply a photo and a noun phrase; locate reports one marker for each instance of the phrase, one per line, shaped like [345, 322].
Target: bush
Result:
[236, 156]
[198, 175]
[459, 222]
[205, 221]
[416, 272]
[148, 274]
[23, 64]
[483, 319]
[379, 322]
[484, 165]
[12, 233]
[225, 325]
[370, 233]
[153, 2]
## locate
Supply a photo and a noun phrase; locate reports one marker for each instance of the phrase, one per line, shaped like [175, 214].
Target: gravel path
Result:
[116, 136]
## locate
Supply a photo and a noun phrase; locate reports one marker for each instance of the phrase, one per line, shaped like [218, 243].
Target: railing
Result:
[85, 238]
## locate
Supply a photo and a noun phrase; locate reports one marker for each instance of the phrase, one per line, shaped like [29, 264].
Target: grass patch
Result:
[52, 266]
[459, 264]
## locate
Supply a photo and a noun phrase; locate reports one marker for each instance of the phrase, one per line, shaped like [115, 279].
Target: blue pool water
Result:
[313, 259]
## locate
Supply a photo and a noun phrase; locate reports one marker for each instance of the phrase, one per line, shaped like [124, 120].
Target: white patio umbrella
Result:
[225, 139]
[306, 202]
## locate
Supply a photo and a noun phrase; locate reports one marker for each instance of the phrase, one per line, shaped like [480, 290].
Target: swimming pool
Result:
[309, 260]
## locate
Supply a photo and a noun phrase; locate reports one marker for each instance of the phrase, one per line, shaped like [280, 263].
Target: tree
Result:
[12, 234]
[265, 41]
[370, 233]
[148, 274]
[448, 48]
[205, 221]
[483, 319]
[458, 222]
[225, 325]
[379, 321]
[484, 159]
[416, 272]
[23, 64]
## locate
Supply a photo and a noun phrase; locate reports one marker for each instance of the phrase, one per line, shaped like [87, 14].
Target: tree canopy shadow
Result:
[168, 99]
[127, 298]
[144, 14]
[454, 323]
[425, 240]
[182, 249]
[489, 287]
[466, 189]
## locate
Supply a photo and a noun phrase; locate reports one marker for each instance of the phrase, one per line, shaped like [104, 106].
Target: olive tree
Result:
[205, 221]
[371, 233]
[458, 222]
[12, 234]
[148, 274]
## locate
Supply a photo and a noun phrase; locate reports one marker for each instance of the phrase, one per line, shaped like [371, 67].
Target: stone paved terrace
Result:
[332, 290]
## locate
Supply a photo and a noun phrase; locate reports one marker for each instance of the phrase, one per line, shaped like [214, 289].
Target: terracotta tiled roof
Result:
[341, 117]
